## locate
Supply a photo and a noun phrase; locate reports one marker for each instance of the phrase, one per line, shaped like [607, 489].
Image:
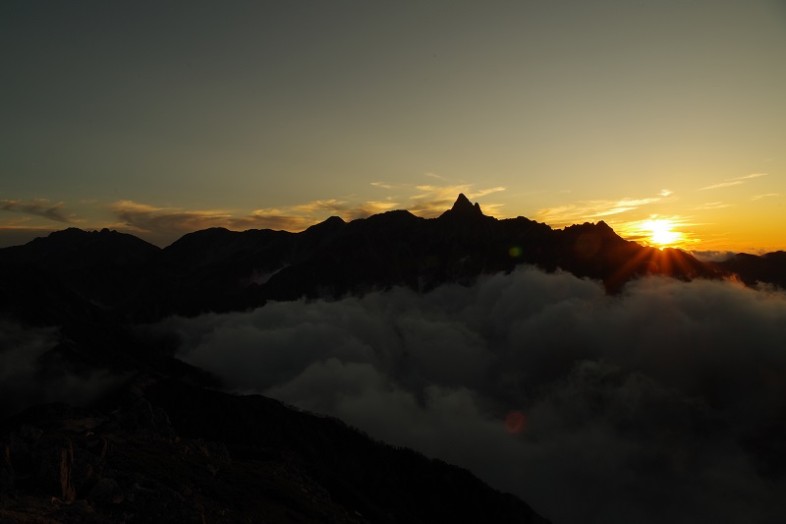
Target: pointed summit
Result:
[463, 208]
[462, 204]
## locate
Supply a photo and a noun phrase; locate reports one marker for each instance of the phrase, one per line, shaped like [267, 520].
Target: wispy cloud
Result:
[765, 195]
[38, 207]
[712, 205]
[733, 181]
[594, 209]
[626, 204]
[434, 175]
[720, 185]
[145, 218]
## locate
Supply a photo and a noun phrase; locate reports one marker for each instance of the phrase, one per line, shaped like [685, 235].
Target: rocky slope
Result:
[165, 451]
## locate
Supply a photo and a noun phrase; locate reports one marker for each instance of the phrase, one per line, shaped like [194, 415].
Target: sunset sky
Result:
[160, 118]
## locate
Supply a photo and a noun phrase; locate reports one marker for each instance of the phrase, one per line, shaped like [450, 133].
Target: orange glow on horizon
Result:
[658, 232]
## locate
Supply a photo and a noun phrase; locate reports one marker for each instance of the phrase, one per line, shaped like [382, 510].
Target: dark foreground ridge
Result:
[164, 451]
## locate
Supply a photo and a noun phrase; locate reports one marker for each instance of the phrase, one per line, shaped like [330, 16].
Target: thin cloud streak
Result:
[730, 183]
[753, 175]
[145, 218]
[434, 175]
[765, 195]
[39, 207]
[581, 211]
[733, 182]
[707, 206]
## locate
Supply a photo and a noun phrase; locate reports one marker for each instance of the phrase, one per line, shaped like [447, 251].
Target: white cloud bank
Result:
[664, 404]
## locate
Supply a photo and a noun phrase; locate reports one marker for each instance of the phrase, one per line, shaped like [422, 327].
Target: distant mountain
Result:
[90, 271]
[95, 286]
[752, 269]
[222, 270]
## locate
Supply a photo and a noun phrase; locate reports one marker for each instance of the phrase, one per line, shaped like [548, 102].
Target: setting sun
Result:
[660, 232]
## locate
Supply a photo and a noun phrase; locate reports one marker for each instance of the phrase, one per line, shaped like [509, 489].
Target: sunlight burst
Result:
[660, 232]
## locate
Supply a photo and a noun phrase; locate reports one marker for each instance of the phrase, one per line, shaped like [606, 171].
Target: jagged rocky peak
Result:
[463, 208]
[463, 205]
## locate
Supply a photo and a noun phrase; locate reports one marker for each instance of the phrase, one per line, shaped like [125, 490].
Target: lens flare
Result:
[515, 422]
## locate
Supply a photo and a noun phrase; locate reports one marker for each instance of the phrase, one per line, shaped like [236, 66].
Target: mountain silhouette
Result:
[172, 432]
[98, 285]
[462, 209]
[110, 273]
[769, 268]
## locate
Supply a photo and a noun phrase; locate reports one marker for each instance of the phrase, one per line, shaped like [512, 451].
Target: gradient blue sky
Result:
[158, 118]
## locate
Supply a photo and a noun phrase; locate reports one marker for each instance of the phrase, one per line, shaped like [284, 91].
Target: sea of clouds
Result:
[666, 402]
[32, 372]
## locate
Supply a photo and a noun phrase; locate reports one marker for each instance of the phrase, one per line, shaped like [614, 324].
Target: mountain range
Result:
[106, 274]
[163, 440]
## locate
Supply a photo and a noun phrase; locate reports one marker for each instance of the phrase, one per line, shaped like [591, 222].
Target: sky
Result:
[160, 118]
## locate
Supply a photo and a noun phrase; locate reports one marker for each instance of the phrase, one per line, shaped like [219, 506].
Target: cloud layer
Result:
[39, 207]
[733, 181]
[595, 209]
[31, 373]
[667, 403]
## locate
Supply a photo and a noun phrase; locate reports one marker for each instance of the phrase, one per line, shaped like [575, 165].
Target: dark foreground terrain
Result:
[165, 451]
